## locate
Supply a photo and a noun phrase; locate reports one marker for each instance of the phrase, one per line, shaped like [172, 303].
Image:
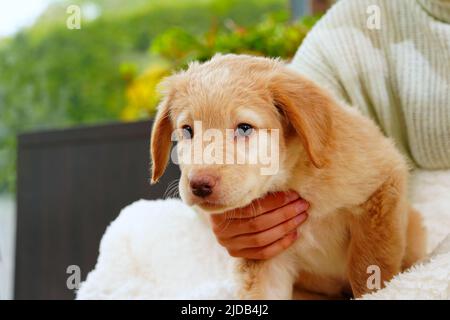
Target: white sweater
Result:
[398, 74]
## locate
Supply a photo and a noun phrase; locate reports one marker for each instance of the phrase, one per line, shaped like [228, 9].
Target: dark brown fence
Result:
[71, 185]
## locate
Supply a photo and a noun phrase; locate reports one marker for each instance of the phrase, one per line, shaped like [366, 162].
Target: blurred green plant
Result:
[141, 93]
[274, 36]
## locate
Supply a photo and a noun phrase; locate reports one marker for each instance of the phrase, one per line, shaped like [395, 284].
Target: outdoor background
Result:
[52, 76]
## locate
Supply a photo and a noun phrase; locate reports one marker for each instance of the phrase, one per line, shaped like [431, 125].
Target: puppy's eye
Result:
[244, 130]
[188, 133]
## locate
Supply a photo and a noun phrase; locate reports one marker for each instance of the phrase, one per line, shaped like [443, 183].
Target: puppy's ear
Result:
[161, 142]
[308, 109]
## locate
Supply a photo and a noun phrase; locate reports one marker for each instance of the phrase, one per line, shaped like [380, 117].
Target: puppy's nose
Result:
[202, 186]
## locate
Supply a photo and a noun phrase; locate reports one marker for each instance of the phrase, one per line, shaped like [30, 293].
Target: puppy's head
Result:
[241, 124]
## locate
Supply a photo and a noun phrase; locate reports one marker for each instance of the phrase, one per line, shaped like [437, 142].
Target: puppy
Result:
[360, 226]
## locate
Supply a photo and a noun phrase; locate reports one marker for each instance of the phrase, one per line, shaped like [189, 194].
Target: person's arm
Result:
[264, 228]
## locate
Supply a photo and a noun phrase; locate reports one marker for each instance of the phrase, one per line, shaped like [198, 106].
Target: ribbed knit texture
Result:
[399, 75]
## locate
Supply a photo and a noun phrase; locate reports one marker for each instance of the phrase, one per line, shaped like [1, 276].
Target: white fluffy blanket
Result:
[163, 250]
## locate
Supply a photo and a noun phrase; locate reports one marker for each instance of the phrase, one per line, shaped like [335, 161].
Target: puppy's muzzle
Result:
[202, 185]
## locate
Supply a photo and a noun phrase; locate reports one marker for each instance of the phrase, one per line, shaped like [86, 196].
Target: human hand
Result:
[262, 229]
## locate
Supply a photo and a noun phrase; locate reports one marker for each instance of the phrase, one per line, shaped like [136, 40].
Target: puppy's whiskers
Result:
[254, 208]
[227, 220]
[172, 190]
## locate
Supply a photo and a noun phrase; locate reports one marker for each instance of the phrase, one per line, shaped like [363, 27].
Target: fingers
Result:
[268, 203]
[234, 227]
[266, 252]
[263, 229]
[264, 238]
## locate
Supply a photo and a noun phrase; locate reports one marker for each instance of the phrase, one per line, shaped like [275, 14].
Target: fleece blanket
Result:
[164, 250]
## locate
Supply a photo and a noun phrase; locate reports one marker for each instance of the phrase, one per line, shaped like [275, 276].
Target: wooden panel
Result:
[71, 185]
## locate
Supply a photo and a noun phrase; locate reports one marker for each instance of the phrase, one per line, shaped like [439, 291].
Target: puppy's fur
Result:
[352, 176]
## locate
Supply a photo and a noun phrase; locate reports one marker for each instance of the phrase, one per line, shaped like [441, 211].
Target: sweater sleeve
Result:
[396, 74]
[341, 55]
[312, 61]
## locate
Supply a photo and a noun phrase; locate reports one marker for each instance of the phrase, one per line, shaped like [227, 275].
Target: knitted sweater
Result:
[390, 59]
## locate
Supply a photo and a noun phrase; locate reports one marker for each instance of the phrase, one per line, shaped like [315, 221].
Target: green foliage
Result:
[274, 36]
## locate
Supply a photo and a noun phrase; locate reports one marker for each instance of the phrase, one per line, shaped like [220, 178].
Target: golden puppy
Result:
[360, 225]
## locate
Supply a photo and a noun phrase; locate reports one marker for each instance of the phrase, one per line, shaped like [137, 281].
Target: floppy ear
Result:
[161, 140]
[308, 109]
